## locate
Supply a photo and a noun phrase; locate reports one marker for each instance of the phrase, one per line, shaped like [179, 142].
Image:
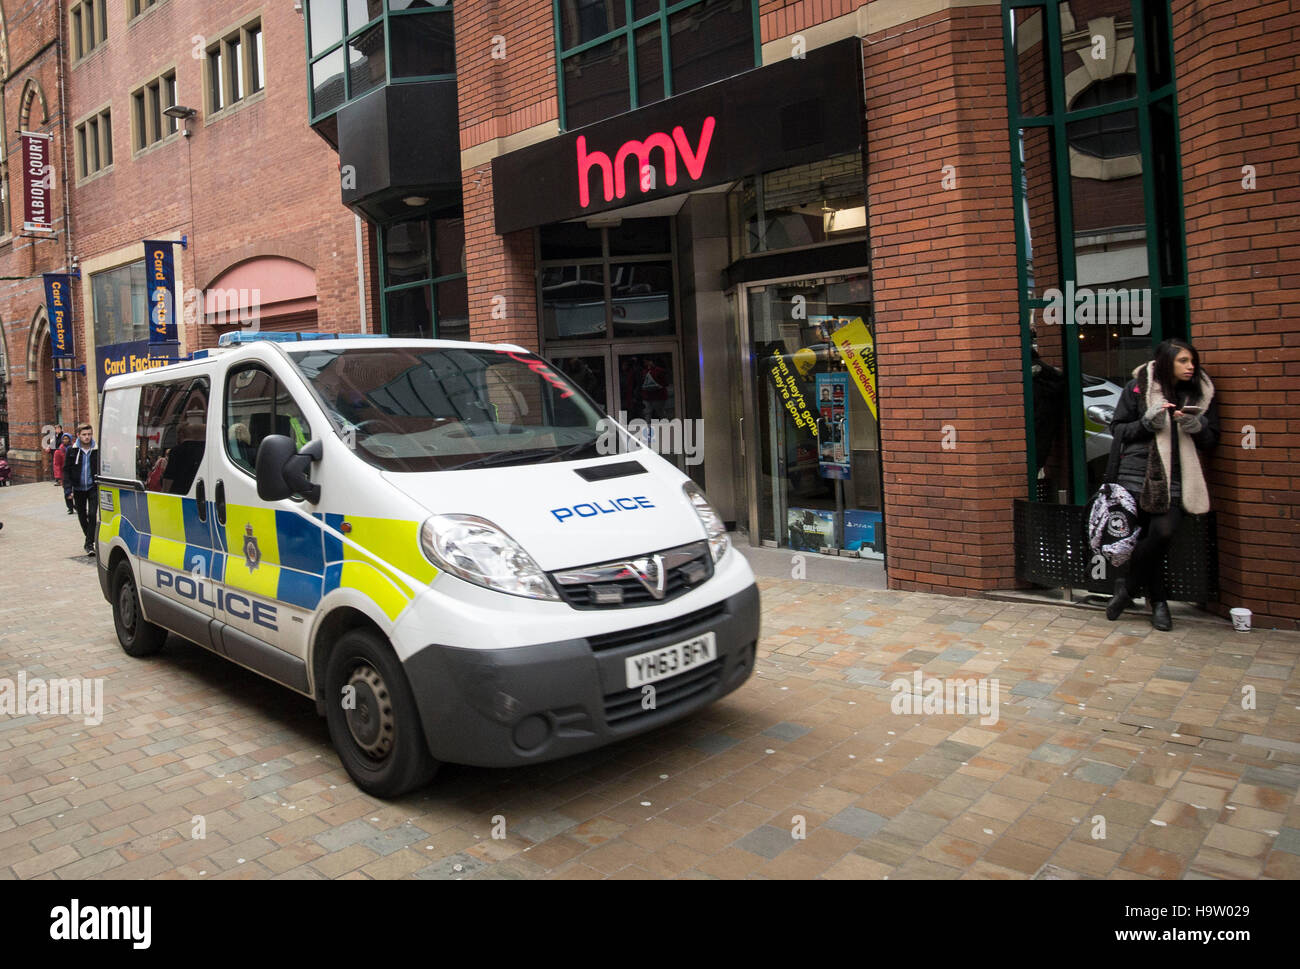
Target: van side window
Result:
[171, 434]
[257, 405]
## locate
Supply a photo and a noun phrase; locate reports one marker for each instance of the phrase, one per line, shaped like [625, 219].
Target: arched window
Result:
[1107, 135]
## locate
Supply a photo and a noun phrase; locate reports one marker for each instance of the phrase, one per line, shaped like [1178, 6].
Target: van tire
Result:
[138, 636]
[380, 739]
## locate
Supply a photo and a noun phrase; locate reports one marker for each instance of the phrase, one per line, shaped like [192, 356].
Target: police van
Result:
[427, 538]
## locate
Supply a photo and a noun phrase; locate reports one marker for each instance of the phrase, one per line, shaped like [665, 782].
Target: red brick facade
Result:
[30, 62]
[1239, 106]
[944, 262]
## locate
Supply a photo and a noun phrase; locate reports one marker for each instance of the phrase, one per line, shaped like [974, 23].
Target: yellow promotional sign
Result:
[854, 342]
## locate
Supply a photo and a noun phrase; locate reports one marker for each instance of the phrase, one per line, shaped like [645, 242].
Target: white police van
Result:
[424, 537]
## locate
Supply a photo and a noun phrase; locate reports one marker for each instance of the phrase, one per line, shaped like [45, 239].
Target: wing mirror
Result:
[282, 471]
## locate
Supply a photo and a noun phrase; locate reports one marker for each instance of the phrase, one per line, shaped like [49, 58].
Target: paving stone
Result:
[1092, 772]
[857, 822]
[768, 841]
[786, 731]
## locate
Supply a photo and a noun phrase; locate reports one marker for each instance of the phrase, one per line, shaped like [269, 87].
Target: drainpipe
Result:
[67, 212]
[361, 278]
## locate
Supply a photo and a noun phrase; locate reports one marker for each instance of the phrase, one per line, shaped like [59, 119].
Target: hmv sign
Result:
[790, 113]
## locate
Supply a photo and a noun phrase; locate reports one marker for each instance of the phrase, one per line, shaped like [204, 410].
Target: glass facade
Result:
[357, 46]
[616, 55]
[422, 265]
[1099, 227]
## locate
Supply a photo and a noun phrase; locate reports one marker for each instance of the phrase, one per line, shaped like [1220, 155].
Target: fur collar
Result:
[1195, 492]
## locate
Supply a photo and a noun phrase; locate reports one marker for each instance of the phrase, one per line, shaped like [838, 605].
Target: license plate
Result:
[659, 664]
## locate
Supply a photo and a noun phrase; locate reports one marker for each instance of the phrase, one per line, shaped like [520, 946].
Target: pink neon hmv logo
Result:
[614, 173]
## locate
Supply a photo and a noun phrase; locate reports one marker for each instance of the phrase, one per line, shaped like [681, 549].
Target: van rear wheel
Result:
[372, 718]
[138, 636]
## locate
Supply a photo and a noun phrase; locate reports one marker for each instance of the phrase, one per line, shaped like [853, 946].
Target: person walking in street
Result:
[82, 466]
[1165, 424]
[53, 448]
[61, 455]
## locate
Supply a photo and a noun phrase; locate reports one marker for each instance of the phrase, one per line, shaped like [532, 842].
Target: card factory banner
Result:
[859, 352]
[131, 357]
[37, 181]
[162, 288]
[58, 307]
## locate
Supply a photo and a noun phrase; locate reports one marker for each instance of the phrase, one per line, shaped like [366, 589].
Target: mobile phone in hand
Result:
[1191, 410]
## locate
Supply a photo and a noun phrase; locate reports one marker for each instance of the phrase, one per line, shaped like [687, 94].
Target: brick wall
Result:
[1239, 105]
[944, 267]
[30, 27]
[255, 181]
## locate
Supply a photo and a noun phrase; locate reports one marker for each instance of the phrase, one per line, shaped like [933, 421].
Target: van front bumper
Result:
[528, 704]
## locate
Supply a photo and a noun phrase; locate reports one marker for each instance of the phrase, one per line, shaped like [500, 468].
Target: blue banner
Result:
[162, 289]
[58, 307]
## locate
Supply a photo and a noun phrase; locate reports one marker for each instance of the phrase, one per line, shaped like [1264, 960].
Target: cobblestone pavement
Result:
[1100, 724]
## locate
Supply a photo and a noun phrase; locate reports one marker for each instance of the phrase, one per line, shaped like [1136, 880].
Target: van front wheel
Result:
[372, 718]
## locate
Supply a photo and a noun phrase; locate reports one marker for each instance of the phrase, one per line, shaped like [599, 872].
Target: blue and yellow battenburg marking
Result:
[295, 561]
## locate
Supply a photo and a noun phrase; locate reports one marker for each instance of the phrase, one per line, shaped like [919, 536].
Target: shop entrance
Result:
[812, 441]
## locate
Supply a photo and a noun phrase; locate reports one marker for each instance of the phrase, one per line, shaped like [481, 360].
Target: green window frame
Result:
[1155, 104]
[387, 19]
[431, 278]
[627, 33]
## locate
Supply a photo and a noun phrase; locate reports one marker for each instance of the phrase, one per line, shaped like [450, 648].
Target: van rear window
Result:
[170, 433]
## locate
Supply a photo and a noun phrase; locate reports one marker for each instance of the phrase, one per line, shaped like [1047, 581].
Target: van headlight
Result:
[709, 518]
[480, 552]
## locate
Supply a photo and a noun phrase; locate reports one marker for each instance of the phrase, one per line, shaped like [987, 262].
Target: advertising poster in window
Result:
[810, 528]
[859, 352]
[833, 456]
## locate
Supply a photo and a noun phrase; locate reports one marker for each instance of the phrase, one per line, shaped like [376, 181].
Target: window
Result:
[806, 205]
[88, 26]
[599, 284]
[93, 144]
[120, 304]
[351, 45]
[171, 435]
[609, 64]
[258, 405]
[147, 106]
[423, 271]
[1097, 215]
[138, 7]
[235, 67]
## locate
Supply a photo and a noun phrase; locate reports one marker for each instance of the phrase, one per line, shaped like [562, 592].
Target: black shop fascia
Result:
[789, 113]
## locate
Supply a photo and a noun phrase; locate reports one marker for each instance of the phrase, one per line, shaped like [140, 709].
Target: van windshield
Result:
[450, 408]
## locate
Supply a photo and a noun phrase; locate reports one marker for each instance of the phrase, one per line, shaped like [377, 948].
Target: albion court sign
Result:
[789, 113]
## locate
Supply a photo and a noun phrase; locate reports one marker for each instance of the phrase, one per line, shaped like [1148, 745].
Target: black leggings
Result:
[1147, 565]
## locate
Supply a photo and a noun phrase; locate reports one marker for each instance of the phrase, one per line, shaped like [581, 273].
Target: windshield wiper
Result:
[571, 451]
[499, 458]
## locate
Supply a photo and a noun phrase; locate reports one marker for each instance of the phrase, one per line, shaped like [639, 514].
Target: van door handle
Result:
[221, 503]
[200, 496]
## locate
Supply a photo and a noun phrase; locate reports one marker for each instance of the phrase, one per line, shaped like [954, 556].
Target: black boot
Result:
[1160, 618]
[1120, 601]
